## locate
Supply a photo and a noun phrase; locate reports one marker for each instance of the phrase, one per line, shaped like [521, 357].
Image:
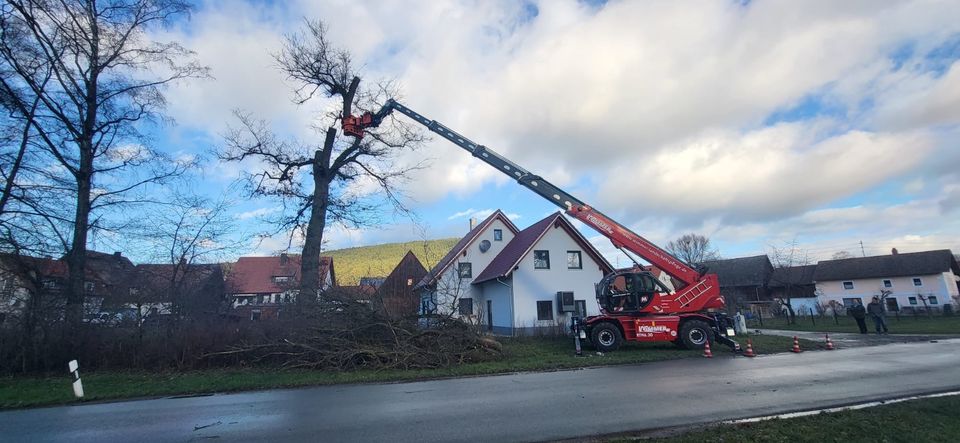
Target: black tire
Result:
[605, 337]
[694, 334]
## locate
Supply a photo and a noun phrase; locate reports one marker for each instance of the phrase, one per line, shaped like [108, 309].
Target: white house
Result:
[917, 280]
[521, 285]
[447, 288]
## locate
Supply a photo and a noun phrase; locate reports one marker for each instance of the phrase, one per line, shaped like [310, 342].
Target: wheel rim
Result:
[606, 337]
[698, 336]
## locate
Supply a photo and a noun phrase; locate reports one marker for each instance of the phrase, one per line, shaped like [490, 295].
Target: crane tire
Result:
[694, 334]
[605, 337]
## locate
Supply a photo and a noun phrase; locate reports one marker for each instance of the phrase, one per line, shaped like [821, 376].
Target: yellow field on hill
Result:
[378, 260]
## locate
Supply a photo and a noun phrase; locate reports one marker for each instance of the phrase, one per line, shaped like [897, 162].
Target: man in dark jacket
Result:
[876, 312]
[859, 313]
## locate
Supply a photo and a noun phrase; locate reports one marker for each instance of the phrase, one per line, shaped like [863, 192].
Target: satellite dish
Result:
[484, 245]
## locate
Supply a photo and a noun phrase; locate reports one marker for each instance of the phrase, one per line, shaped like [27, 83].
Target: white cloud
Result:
[260, 212]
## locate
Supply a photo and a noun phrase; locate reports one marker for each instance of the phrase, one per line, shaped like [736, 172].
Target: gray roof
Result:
[744, 271]
[794, 276]
[897, 265]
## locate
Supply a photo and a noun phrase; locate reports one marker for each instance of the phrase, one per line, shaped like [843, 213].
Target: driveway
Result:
[515, 407]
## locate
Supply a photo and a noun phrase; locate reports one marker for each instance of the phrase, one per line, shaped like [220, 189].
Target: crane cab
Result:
[628, 291]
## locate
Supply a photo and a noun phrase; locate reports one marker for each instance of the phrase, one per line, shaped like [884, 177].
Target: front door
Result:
[490, 315]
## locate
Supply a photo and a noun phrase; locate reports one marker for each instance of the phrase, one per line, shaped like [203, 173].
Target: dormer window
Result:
[281, 279]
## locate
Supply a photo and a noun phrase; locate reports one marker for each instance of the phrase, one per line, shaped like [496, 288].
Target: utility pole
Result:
[861, 249]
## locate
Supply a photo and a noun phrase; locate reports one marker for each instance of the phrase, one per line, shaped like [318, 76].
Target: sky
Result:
[755, 123]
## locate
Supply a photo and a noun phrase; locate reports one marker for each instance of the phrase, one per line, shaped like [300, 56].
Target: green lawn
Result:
[924, 420]
[920, 324]
[521, 354]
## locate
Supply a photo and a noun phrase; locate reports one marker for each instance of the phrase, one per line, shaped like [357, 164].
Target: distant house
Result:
[188, 289]
[743, 281]
[910, 281]
[257, 287]
[795, 284]
[24, 279]
[512, 282]
[396, 294]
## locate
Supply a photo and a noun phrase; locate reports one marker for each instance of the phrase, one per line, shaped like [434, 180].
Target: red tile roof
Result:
[503, 264]
[255, 275]
[464, 243]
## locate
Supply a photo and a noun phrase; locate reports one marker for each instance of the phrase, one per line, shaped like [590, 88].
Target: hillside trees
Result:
[335, 178]
[97, 80]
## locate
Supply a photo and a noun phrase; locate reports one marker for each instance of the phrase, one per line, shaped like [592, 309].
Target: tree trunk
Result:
[77, 257]
[310, 259]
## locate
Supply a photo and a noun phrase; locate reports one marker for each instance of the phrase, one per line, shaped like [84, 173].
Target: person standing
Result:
[876, 312]
[859, 313]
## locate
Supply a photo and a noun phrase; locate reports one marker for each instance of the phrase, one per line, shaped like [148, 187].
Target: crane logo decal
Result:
[600, 224]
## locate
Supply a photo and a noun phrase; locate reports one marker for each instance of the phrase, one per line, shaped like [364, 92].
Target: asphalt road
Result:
[517, 407]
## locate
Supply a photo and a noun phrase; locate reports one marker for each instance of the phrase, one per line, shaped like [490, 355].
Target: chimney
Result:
[893, 251]
[473, 223]
[284, 258]
[117, 254]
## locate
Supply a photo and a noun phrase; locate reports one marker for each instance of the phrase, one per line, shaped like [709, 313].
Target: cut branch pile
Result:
[344, 334]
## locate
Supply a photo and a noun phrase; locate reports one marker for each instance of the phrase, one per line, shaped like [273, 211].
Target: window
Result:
[409, 282]
[498, 235]
[932, 300]
[573, 260]
[581, 308]
[847, 285]
[88, 286]
[849, 302]
[465, 270]
[255, 314]
[887, 284]
[912, 300]
[541, 259]
[281, 279]
[465, 306]
[917, 282]
[545, 310]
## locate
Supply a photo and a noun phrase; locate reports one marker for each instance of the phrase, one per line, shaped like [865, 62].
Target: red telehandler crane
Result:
[634, 305]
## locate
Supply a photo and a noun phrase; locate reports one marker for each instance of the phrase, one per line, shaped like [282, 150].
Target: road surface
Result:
[516, 407]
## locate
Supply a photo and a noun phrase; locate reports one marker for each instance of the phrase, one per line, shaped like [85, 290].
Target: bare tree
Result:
[187, 231]
[107, 80]
[840, 255]
[341, 179]
[786, 259]
[693, 249]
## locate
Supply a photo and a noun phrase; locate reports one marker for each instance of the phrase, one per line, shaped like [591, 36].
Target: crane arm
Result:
[619, 235]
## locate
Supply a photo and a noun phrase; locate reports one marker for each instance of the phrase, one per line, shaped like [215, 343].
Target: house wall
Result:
[500, 294]
[531, 285]
[450, 286]
[942, 286]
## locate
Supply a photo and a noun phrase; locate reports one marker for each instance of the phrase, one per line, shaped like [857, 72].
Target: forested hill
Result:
[377, 261]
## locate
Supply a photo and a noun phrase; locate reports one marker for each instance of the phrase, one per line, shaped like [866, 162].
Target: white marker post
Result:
[77, 384]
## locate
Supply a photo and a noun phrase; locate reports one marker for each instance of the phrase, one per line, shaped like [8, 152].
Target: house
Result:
[257, 287]
[743, 282]
[539, 278]
[910, 281]
[396, 294]
[166, 289]
[794, 283]
[41, 282]
[447, 288]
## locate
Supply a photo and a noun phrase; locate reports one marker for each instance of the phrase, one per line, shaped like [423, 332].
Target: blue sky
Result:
[754, 123]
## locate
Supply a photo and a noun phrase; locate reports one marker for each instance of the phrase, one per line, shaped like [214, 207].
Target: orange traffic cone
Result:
[796, 345]
[749, 351]
[706, 351]
[830, 346]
